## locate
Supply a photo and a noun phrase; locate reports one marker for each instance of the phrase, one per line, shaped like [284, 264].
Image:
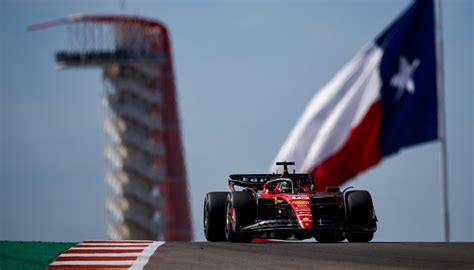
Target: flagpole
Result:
[442, 122]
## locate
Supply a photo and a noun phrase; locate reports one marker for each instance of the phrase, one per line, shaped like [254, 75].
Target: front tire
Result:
[214, 216]
[360, 237]
[241, 211]
[360, 212]
[329, 236]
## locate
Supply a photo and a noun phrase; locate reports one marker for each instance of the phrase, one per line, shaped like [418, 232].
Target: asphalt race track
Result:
[307, 255]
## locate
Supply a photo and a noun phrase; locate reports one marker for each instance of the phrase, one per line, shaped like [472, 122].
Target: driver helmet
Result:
[285, 187]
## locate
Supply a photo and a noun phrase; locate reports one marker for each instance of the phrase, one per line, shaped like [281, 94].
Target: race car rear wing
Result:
[258, 180]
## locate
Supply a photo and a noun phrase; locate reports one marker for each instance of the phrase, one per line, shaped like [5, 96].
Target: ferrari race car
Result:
[287, 207]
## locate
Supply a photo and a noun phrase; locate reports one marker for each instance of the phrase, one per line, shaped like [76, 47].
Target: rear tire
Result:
[241, 211]
[214, 216]
[360, 212]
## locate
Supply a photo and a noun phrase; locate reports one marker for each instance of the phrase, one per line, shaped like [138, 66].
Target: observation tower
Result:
[146, 175]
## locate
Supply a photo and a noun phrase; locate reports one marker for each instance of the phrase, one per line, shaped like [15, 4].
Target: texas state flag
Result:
[384, 99]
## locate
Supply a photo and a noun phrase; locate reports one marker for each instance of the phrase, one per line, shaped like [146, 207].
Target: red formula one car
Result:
[286, 206]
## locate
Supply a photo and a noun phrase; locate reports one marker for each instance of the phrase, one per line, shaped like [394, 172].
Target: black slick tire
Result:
[329, 236]
[360, 237]
[359, 212]
[214, 216]
[241, 211]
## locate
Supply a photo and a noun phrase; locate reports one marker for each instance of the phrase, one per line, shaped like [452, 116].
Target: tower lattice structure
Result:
[146, 175]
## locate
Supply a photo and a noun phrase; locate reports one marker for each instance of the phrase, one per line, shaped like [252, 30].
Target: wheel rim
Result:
[206, 219]
[230, 220]
[227, 227]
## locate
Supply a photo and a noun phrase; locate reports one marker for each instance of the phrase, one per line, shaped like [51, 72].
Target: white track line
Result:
[143, 259]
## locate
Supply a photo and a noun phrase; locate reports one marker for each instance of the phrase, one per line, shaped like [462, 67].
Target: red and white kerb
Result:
[107, 255]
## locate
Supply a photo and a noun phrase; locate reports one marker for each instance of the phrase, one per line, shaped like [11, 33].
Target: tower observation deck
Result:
[146, 175]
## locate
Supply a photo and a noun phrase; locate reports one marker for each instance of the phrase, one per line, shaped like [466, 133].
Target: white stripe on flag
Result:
[338, 107]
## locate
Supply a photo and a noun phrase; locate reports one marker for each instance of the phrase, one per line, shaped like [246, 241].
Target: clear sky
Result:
[244, 71]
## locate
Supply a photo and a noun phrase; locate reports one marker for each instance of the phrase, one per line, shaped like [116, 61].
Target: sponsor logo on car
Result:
[301, 202]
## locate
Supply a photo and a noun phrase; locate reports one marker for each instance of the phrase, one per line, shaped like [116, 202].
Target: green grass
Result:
[29, 255]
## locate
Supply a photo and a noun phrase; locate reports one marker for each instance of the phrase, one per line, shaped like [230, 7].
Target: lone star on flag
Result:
[404, 78]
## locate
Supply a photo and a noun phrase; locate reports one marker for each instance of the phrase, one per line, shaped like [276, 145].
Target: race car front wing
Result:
[318, 225]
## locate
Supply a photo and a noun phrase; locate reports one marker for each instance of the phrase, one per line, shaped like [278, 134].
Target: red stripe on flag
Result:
[360, 151]
[69, 251]
[104, 258]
